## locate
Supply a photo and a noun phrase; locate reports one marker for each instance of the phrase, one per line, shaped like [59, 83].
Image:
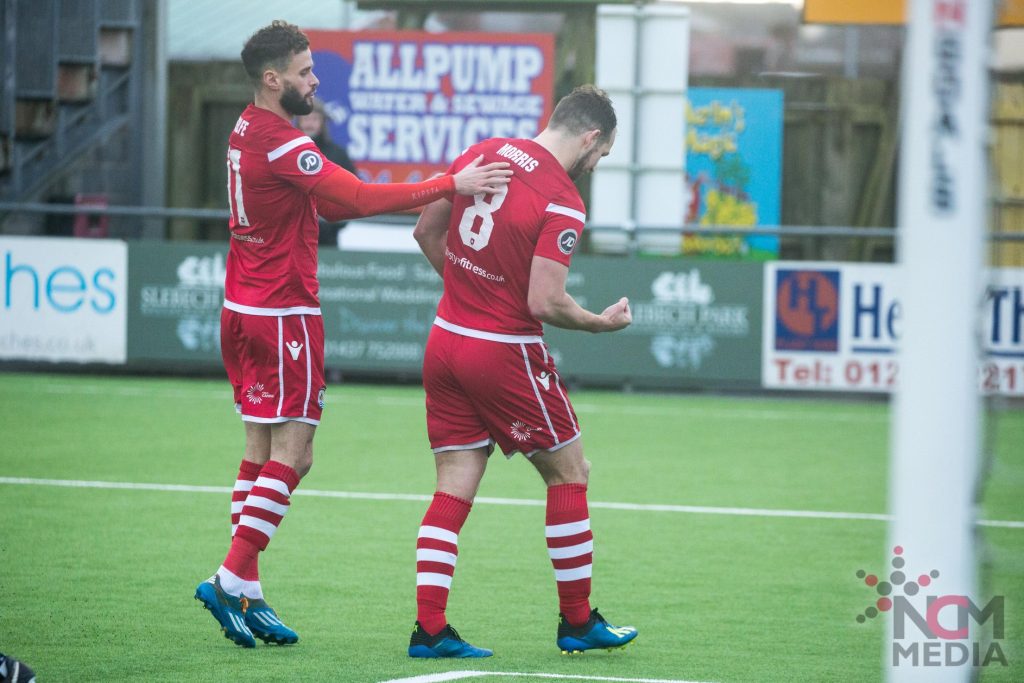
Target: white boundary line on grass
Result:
[683, 409]
[356, 495]
[458, 675]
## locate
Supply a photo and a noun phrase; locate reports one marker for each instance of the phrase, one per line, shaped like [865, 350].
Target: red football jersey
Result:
[272, 167]
[492, 240]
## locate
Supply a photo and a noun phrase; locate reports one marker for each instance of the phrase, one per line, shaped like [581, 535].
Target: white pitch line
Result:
[443, 677]
[527, 502]
[683, 409]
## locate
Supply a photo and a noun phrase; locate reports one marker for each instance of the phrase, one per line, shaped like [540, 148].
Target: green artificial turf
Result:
[96, 583]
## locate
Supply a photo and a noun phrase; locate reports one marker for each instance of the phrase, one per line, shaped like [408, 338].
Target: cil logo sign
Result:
[807, 310]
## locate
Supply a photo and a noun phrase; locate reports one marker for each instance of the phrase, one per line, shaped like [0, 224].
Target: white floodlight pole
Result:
[936, 412]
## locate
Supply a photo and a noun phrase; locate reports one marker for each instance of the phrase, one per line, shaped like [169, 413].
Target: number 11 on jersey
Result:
[235, 202]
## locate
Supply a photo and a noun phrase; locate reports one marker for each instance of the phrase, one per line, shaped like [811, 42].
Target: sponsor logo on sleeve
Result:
[310, 162]
[567, 241]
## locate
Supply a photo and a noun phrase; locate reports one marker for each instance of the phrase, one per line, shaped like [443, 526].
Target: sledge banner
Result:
[406, 103]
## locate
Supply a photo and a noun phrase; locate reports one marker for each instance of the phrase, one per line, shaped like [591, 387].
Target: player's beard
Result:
[579, 167]
[294, 103]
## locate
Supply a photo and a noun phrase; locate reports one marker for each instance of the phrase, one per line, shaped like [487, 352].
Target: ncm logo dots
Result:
[941, 646]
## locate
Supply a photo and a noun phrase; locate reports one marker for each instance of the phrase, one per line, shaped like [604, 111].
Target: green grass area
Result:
[97, 583]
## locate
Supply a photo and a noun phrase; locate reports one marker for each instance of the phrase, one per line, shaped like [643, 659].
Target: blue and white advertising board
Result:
[836, 327]
[63, 299]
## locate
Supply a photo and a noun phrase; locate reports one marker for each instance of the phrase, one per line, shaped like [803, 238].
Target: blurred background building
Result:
[128, 103]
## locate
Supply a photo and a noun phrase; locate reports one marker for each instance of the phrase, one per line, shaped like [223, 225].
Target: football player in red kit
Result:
[489, 379]
[272, 335]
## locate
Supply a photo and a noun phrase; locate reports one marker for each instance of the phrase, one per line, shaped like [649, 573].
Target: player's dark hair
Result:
[272, 46]
[586, 108]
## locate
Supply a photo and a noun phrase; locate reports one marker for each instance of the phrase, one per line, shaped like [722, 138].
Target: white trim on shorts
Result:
[565, 399]
[556, 447]
[280, 364]
[256, 310]
[488, 443]
[278, 420]
[488, 336]
[536, 394]
[309, 368]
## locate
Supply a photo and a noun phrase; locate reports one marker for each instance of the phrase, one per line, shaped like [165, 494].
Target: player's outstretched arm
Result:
[431, 232]
[550, 303]
[343, 196]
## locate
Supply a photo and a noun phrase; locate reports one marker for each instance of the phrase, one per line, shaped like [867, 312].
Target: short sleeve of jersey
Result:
[560, 233]
[462, 160]
[301, 163]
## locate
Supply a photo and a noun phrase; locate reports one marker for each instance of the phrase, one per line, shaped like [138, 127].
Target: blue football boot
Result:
[447, 643]
[596, 634]
[14, 671]
[227, 610]
[262, 620]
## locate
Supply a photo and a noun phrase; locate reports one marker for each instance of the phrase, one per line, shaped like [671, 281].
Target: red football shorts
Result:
[275, 365]
[481, 392]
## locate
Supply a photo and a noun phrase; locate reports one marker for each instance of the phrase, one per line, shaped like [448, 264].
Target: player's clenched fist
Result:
[617, 315]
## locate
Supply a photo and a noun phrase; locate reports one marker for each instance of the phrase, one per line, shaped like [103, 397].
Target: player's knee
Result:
[586, 471]
[303, 467]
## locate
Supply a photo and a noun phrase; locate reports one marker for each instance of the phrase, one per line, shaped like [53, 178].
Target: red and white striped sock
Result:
[248, 472]
[437, 547]
[571, 548]
[264, 508]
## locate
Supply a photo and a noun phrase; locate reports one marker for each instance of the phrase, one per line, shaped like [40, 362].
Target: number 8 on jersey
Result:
[483, 210]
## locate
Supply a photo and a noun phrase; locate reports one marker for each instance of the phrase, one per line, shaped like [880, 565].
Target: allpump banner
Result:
[406, 103]
[63, 300]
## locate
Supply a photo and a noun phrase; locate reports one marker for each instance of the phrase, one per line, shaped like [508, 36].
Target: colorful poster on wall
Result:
[406, 103]
[733, 170]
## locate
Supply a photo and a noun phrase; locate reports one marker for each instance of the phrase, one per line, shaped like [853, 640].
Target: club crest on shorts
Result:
[309, 162]
[520, 432]
[255, 394]
[320, 397]
[567, 241]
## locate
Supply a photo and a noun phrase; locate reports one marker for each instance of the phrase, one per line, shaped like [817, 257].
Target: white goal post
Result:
[943, 193]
